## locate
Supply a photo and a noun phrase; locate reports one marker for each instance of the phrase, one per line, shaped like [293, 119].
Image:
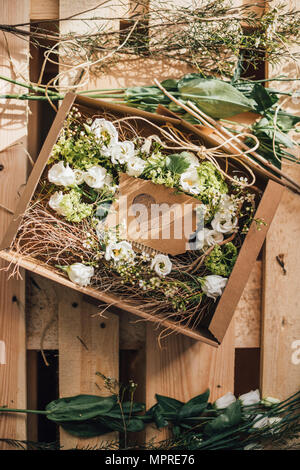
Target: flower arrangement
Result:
[65, 224]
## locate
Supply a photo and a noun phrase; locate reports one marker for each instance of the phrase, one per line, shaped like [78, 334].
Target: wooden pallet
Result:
[261, 347]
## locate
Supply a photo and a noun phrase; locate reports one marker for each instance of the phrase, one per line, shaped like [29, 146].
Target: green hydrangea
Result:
[221, 260]
[211, 181]
[80, 151]
[73, 209]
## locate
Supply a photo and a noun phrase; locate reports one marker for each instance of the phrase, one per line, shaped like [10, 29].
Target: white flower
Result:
[213, 285]
[225, 401]
[261, 423]
[191, 159]
[135, 166]
[207, 237]
[95, 177]
[121, 152]
[224, 223]
[105, 132]
[270, 401]
[79, 176]
[250, 398]
[61, 175]
[121, 251]
[54, 202]
[80, 273]
[161, 264]
[189, 181]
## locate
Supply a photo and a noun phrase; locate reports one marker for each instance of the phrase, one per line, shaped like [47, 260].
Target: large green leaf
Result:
[215, 97]
[168, 405]
[79, 408]
[85, 429]
[176, 163]
[263, 98]
[231, 416]
[194, 407]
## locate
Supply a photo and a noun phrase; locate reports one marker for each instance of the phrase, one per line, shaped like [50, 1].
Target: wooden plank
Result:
[44, 9]
[183, 368]
[281, 327]
[247, 315]
[13, 130]
[88, 344]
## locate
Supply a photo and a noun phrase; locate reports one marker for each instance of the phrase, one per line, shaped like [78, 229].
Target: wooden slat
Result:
[281, 299]
[87, 344]
[248, 312]
[183, 368]
[44, 9]
[13, 129]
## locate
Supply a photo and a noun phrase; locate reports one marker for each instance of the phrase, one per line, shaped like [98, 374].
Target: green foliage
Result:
[216, 98]
[222, 259]
[176, 163]
[73, 208]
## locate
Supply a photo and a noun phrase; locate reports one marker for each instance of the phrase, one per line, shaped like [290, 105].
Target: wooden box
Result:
[213, 332]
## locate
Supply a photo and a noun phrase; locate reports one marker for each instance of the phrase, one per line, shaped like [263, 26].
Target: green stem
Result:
[100, 89]
[30, 87]
[17, 410]
[31, 97]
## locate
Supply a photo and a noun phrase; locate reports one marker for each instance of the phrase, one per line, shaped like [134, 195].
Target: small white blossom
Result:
[162, 265]
[189, 181]
[120, 251]
[270, 401]
[213, 285]
[135, 166]
[122, 152]
[54, 202]
[96, 177]
[105, 132]
[250, 398]
[224, 223]
[225, 401]
[61, 175]
[80, 274]
[207, 237]
[79, 176]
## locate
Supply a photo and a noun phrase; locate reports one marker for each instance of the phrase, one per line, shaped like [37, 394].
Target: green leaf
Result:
[158, 417]
[216, 98]
[168, 405]
[176, 163]
[79, 408]
[85, 429]
[286, 121]
[263, 98]
[170, 84]
[231, 416]
[194, 407]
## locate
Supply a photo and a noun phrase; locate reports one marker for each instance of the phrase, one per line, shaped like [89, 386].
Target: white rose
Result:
[224, 222]
[207, 237]
[250, 398]
[105, 132]
[261, 423]
[135, 166]
[121, 152]
[61, 175]
[213, 285]
[225, 401]
[119, 251]
[54, 202]
[162, 265]
[79, 176]
[270, 401]
[189, 181]
[95, 177]
[80, 274]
